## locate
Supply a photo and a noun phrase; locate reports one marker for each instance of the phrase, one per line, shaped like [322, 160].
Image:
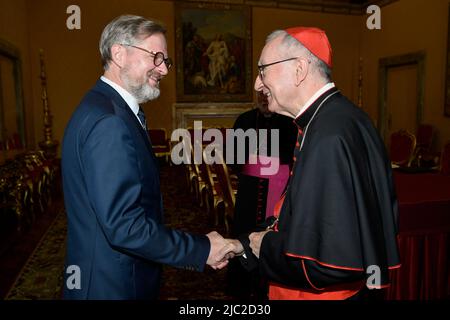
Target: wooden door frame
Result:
[10, 52]
[416, 58]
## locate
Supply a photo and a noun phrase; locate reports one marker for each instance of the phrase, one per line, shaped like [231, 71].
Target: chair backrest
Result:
[158, 136]
[445, 159]
[425, 134]
[223, 177]
[402, 146]
[207, 173]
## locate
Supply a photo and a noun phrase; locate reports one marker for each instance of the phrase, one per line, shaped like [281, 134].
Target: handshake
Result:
[222, 250]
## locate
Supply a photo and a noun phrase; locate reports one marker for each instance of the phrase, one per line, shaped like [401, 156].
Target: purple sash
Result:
[277, 181]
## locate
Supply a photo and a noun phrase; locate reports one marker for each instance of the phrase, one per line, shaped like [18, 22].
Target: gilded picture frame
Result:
[447, 72]
[213, 53]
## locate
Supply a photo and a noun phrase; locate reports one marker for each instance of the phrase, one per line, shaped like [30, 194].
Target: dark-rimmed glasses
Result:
[263, 66]
[158, 57]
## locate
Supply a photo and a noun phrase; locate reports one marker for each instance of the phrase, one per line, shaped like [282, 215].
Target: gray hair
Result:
[293, 46]
[126, 29]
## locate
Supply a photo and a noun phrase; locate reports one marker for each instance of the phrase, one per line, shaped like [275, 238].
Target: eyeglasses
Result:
[264, 66]
[158, 57]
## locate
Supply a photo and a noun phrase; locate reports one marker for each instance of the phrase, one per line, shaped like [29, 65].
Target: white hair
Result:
[126, 29]
[293, 46]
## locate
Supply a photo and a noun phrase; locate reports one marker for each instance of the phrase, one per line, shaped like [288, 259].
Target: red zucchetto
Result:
[315, 40]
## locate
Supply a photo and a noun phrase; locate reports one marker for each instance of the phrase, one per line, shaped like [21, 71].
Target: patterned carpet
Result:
[41, 277]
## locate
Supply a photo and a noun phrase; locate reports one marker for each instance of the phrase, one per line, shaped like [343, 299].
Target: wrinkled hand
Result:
[232, 249]
[216, 258]
[255, 241]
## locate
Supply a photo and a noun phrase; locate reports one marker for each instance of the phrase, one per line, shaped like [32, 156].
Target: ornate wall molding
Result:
[349, 7]
[185, 113]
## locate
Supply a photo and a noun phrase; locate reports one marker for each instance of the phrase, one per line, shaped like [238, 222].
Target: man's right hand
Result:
[216, 258]
[233, 248]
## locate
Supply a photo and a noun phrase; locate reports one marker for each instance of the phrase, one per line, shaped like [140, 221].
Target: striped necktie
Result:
[141, 116]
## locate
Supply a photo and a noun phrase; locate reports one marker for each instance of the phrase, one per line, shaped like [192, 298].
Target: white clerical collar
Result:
[128, 97]
[316, 95]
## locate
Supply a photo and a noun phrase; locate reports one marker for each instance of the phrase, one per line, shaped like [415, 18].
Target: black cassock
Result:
[252, 191]
[338, 222]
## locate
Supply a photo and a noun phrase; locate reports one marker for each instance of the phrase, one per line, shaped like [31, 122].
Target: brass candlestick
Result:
[49, 146]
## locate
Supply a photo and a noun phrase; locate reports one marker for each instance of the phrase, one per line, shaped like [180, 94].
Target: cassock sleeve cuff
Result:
[248, 260]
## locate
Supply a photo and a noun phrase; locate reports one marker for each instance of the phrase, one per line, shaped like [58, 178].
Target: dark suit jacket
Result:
[114, 207]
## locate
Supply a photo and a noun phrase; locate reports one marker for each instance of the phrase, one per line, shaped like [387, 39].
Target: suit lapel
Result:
[123, 110]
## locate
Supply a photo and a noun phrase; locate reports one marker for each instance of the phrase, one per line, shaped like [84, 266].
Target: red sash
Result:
[342, 292]
[338, 292]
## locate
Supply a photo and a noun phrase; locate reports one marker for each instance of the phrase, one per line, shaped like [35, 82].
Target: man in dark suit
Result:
[116, 238]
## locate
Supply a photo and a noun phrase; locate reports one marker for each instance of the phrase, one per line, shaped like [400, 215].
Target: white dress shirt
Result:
[314, 97]
[128, 97]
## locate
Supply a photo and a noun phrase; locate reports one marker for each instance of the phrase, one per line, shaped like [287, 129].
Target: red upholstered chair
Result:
[402, 146]
[161, 145]
[17, 141]
[423, 155]
[445, 159]
[425, 135]
[14, 142]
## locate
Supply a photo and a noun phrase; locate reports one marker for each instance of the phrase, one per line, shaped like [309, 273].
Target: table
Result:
[424, 237]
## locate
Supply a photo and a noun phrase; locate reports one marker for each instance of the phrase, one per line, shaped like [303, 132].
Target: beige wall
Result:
[73, 63]
[72, 56]
[409, 26]
[342, 31]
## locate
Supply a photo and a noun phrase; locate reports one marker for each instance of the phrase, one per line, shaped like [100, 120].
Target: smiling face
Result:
[279, 80]
[139, 74]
